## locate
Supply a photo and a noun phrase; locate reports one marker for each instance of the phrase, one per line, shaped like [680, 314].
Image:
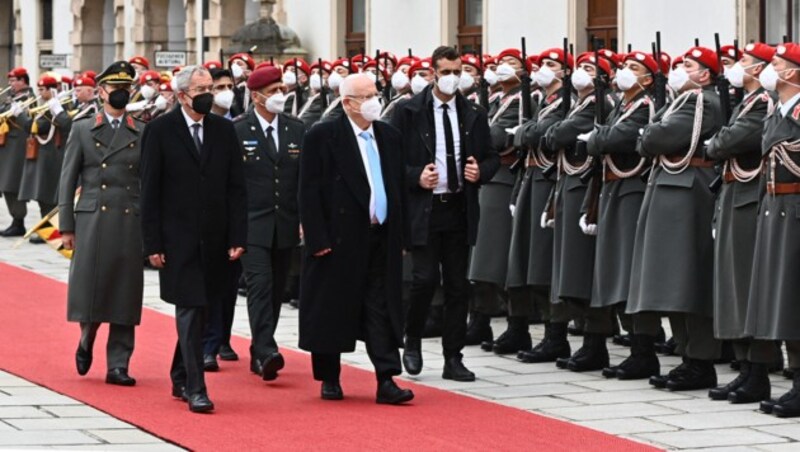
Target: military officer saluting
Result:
[270, 143]
[103, 228]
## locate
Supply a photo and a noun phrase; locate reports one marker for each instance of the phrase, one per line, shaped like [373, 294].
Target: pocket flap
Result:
[86, 205]
[682, 180]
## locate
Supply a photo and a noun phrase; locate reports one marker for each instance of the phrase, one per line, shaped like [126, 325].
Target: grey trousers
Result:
[119, 347]
[18, 209]
[756, 351]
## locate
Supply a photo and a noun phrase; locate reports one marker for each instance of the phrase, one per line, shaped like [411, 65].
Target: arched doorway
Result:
[92, 34]
[6, 35]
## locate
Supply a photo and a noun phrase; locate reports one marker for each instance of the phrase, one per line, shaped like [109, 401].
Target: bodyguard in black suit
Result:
[194, 218]
[351, 208]
[270, 145]
[448, 156]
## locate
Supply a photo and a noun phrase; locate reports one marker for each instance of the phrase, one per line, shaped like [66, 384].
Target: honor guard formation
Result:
[395, 198]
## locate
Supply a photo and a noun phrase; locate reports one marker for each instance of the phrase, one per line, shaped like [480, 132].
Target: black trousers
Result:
[266, 272]
[119, 347]
[376, 326]
[18, 209]
[220, 315]
[447, 247]
[187, 362]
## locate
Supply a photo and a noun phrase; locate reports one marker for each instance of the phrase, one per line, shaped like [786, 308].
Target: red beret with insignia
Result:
[149, 76]
[761, 51]
[248, 60]
[422, 64]
[729, 51]
[613, 58]
[48, 81]
[645, 59]
[301, 64]
[262, 77]
[556, 54]
[342, 62]
[18, 72]
[165, 87]
[470, 60]
[91, 74]
[407, 61]
[665, 63]
[140, 60]
[678, 61]
[705, 56]
[359, 60]
[384, 56]
[588, 57]
[488, 59]
[380, 67]
[789, 52]
[84, 81]
[513, 53]
[325, 66]
[212, 65]
[532, 60]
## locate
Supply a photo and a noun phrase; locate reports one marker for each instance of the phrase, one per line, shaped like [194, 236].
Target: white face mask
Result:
[174, 84]
[236, 71]
[505, 72]
[626, 79]
[448, 84]
[335, 80]
[769, 78]
[581, 79]
[224, 99]
[399, 81]
[466, 82]
[678, 79]
[289, 78]
[418, 84]
[275, 103]
[545, 76]
[148, 92]
[490, 76]
[371, 109]
[315, 82]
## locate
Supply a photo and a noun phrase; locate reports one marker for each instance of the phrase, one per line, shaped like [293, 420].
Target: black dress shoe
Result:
[119, 376]
[454, 369]
[210, 363]
[412, 356]
[271, 365]
[255, 366]
[83, 360]
[36, 240]
[226, 353]
[331, 390]
[179, 392]
[17, 229]
[479, 329]
[294, 303]
[389, 393]
[200, 403]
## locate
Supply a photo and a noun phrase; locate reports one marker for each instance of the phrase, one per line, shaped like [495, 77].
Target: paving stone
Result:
[74, 411]
[705, 405]
[539, 378]
[52, 399]
[75, 423]
[628, 426]
[783, 447]
[124, 436]
[603, 398]
[22, 412]
[710, 438]
[790, 430]
[702, 421]
[508, 392]
[539, 403]
[45, 438]
[618, 411]
[725, 449]
[612, 384]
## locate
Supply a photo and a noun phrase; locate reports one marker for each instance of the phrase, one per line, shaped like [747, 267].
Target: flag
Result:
[47, 229]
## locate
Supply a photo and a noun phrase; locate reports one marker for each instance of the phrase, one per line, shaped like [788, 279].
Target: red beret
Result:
[556, 54]
[176, 69]
[359, 60]
[301, 64]
[424, 63]
[614, 58]
[645, 59]
[705, 57]
[588, 57]
[513, 53]
[533, 60]
[380, 67]
[677, 61]
[140, 60]
[790, 52]
[212, 65]
[471, 60]
[66, 79]
[342, 62]
[761, 51]
[407, 61]
[488, 59]
[730, 51]
[264, 64]
[48, 82]
[383, 56]
[262, 77]
[84, 81]
[248, 60]
[149, 76]
[326, 66]
[665, 63]
[18, 72]
[165, 78]
[165, 87]
[91, 74]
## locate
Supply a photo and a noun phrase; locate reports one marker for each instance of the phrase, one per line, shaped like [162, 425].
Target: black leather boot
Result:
[666, 347]
[412, 356]
[554, 346]
[722, 392]
[756, 388]
[642, 363]
[594, 356]
[700, 374]
[479, 329]
[516, 338]
[789, 404]
[16, 229]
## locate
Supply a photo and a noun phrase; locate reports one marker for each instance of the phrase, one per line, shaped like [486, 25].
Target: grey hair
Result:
[184, 77]
[346, 88]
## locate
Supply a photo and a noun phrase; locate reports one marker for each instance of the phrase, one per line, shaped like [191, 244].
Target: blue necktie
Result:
[378, 189]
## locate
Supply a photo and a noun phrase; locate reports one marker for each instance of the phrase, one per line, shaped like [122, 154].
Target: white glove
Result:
[551, 223]
[714, 233]
[160, 103]
[511, 209]
[136, 106]
[588, 229]
[16, 109]
[512, 130]
[55, 106]
[585, 136]
[543, 220]
[707, 141]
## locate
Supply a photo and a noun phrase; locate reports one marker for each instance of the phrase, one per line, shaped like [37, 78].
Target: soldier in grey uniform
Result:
[674, 229]
[489, 258]
[270, 142]
[105, 277]
[312, 109]
[573, 251]
[12, 153]
[739, 145]
[531, 248]
[772, 310]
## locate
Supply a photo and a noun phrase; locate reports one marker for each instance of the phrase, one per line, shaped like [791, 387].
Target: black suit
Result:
[273, 221]
[193, 211]
[443, 229]
[355, 291]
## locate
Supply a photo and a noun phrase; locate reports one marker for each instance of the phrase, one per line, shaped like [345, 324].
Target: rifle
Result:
[723, 85]
[738, 92]
[566, 88]
[410, 54]
[387, 83]
[660, 81]
[298, 88]
[525, 87]
[483, 85]
[594, 175]
[378, 85]
[323, 91]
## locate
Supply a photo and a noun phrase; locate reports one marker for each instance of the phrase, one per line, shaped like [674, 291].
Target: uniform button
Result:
[130, 166]
[104, 165]
[103, 186]
[277, 194]
[128, 187]
[766, 214]
[132, 144]
[276, 181]
[783, 214]
[97, 144]
[127, 211]
[277, 207]
[103, 208]
[258, 158]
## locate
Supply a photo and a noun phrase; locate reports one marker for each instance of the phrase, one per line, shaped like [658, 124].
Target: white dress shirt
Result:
[190, 122]
[111, 119]
[785, 107]
[441, 145]
[362, 147]
[265, 125]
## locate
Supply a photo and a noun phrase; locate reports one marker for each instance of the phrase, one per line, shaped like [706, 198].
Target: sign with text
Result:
[52, 61]
[170, 59]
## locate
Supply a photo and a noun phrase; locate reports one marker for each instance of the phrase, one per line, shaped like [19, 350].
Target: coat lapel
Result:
[125, 136]
[183, 132]
[351, 165]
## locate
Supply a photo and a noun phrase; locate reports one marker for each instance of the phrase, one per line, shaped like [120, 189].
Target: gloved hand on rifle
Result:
[586, 227]
[136, 106]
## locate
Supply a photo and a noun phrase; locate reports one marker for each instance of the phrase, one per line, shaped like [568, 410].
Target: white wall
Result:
[313, 21]
[680, 21]
[397, 26]
[542, 22]
[29, 18]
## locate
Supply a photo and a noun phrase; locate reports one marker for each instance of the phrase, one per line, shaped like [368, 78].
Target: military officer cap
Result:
[118, 73]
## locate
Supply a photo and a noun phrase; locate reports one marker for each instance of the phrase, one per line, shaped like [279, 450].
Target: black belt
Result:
[376, 227]
[448, 197]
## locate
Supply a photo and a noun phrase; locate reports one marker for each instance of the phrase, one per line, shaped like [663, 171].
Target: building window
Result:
[355, 39]
[470, 25]
[47, 19]
[778, 20]
[601, 29]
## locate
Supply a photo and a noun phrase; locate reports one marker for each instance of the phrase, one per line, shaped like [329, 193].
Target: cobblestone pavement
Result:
[34, 417]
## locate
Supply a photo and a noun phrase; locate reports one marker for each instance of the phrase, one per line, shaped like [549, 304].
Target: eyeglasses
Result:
[201, 89]
[364, 98]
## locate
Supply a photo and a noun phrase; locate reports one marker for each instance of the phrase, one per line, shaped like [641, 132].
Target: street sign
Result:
[49, 61]
[170, 59]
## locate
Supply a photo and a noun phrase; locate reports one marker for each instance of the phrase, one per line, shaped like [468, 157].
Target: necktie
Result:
[450, 148]
[115, 124]
[196, 137]
[378, 189]
[271, 142]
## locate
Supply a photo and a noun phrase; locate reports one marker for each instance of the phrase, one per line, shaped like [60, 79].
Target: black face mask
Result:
[202, 103]
[119, 98]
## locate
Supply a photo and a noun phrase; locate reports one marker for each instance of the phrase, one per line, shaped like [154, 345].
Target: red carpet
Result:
[38, 344]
